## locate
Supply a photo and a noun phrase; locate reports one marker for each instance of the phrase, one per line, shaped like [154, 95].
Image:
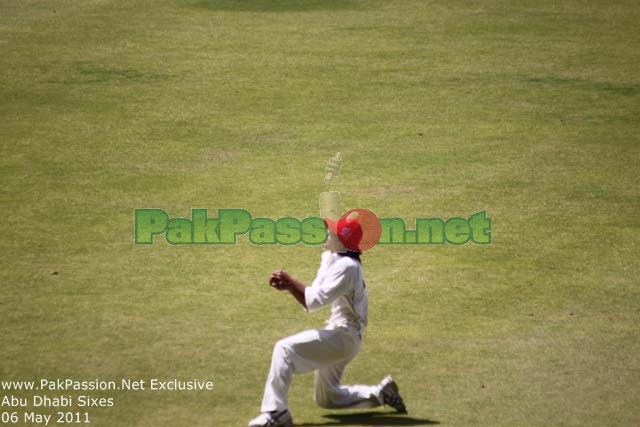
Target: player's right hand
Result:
[278, 280]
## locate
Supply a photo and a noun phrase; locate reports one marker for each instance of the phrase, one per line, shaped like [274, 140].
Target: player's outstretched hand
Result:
[280, 280]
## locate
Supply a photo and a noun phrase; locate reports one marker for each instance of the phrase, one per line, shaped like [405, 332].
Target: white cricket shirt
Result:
[339, 282]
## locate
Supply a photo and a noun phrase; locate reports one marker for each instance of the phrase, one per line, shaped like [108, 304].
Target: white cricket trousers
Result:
[327, 351]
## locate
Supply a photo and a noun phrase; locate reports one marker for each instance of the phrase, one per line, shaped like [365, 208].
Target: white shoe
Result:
[391, 395]
[272, 419]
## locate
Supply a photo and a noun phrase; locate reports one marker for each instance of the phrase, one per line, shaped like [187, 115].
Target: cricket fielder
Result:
[327, 351]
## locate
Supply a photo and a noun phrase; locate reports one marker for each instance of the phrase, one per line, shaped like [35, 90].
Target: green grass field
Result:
[528, 109]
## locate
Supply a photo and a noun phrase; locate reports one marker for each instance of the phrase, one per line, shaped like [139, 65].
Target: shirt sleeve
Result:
[336, 282]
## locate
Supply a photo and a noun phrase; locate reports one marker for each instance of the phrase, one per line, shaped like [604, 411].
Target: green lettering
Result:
[263, 231]
[392, 230]
[456, 231]
[313, 231]
[199, 220]
[179, 231]
[430, 230]
[288, 231]
[480, 228]
[232, 223]
[149, 222]
[213, 230]
[410, 236]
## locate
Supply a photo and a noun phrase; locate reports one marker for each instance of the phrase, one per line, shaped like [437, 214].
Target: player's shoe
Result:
[391, 395]
[272, 419]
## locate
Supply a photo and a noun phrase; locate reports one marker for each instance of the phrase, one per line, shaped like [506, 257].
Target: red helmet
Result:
[358, 229]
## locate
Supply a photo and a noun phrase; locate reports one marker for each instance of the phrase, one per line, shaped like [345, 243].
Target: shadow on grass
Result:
[278, 5]
[616, 88]
[371, 419]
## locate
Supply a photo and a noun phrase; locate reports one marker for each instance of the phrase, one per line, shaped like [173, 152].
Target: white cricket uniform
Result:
[339, 282]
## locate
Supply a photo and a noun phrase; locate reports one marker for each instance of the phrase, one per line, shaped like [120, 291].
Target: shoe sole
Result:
[394, 387]
[287, 423]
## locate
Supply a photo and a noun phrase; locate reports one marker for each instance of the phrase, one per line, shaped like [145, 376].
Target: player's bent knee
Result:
[325, 400]
[325, 403]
